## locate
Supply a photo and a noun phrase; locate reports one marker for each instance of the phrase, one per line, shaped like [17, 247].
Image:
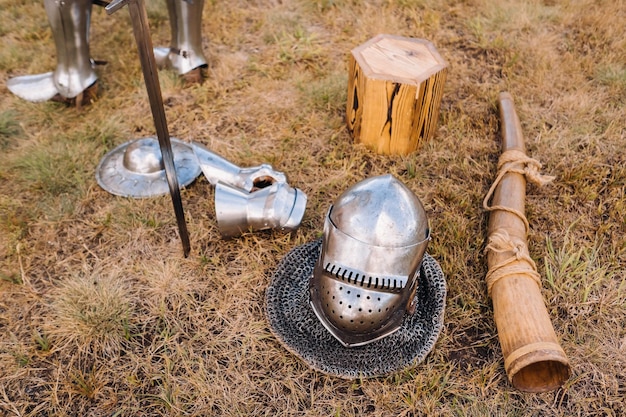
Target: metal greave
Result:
[70, 21]
[185, 51]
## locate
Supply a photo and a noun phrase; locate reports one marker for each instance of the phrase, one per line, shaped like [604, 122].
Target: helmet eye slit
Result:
[354, 277]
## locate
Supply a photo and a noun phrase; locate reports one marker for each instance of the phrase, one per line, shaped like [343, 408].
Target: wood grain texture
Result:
[533, 359]
[395, 87]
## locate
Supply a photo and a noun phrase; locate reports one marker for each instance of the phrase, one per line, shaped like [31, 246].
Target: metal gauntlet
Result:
[255, 198]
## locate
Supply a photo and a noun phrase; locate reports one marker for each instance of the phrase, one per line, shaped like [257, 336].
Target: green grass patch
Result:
[9, 129]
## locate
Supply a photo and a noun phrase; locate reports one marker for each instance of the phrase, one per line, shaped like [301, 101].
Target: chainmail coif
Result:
[294, 323]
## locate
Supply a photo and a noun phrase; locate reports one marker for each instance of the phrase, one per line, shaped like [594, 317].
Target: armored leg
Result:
[69, 21]
[185, 51]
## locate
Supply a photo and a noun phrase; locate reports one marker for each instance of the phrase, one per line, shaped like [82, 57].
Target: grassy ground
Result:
[100, 314]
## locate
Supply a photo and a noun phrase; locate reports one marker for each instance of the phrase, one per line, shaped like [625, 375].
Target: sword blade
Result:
[141, 31]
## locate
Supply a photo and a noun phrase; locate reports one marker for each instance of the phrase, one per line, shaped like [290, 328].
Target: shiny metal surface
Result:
[253, 198]
[135, 169]
[278, 206]
[294, 324]
[185, 51]
[35, 88]
[217, 169]
[375, 237]
[69, 21]
[141, 31]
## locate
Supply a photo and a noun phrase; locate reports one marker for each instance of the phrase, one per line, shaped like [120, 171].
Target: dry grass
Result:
[101, 315]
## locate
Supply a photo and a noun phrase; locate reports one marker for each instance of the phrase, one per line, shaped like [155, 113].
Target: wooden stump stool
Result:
[395, 87]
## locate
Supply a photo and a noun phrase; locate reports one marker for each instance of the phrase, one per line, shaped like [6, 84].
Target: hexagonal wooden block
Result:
[395, 87]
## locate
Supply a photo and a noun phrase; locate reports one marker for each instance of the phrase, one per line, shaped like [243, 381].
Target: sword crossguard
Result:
[101, 3]
[115, 5]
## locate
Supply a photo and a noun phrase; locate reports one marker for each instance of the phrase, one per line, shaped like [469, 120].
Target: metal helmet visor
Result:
[363, 286]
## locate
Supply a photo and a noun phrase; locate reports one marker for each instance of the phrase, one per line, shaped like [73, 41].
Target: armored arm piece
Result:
[254, 198]
[217, 169]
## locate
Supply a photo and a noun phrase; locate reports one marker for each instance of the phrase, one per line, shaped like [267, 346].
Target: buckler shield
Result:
[135, 168]
[364, 282]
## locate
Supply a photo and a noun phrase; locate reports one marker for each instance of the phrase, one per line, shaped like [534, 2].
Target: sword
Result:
[141, 30]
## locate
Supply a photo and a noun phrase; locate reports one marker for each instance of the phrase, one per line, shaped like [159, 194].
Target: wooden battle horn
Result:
[533, 359]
